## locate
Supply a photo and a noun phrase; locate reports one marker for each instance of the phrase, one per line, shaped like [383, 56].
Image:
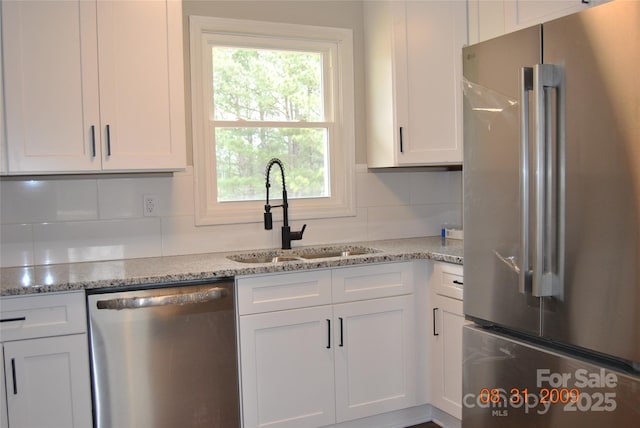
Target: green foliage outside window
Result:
[254, 86]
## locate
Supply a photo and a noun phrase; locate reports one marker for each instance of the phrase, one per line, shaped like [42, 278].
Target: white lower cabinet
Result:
[287, 368]
[375, 367]
[47, 382]
[446, 344]
[446, 376]
[321, 365]
[4, 418]
[45, 368]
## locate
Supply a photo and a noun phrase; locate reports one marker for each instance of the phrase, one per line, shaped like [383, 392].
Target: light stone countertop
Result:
[172, 269]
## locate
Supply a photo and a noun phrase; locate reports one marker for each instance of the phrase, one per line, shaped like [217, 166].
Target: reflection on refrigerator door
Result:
[511, 383]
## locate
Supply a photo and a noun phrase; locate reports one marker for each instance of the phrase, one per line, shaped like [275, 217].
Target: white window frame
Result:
[341, 128]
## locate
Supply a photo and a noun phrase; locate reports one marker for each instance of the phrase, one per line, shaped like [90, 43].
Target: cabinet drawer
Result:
[27, 317]
[448, 280]
[277, 292]
[372, 281]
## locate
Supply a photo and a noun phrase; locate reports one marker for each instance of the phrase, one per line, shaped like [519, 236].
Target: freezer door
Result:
[508, 383]
[492, 180]
[599, 306]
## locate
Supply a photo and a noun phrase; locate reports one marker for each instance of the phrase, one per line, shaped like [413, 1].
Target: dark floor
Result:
[426, 425]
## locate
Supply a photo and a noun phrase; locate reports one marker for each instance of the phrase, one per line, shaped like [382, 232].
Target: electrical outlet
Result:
[150, 205]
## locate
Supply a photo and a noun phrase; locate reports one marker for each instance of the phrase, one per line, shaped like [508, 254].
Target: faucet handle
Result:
[268, 219]
[296, 236]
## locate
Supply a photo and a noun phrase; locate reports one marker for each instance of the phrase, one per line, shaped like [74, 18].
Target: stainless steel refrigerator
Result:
[552, 223]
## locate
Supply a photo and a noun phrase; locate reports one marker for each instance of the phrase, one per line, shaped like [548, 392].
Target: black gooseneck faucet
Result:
[287, 234]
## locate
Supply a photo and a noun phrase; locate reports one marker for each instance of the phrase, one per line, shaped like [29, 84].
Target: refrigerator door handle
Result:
[548, 254]
[524, 272]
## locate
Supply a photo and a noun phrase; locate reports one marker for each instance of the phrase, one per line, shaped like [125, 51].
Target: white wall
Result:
[66, 219]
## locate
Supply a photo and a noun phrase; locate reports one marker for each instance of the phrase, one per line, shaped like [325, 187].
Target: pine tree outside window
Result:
[264, 90]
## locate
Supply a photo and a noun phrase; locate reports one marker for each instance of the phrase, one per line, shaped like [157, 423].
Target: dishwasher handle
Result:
[166, 300]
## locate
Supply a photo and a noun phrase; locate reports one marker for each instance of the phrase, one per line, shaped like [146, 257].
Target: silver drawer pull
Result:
[171, 299]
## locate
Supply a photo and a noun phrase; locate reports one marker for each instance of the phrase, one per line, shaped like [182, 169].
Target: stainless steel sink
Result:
[264, 259]
[337, 253]
[301, 254]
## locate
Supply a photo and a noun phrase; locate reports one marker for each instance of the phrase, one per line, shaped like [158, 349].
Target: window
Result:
[263, 90]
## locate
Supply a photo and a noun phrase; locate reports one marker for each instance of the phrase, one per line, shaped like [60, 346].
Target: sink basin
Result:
[336, 253]
[264, 259]
[301, 254]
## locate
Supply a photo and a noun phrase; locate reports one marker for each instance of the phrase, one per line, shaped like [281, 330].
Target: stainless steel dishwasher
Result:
[164, 356]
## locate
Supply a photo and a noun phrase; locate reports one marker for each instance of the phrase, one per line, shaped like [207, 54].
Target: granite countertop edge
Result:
[197, 267]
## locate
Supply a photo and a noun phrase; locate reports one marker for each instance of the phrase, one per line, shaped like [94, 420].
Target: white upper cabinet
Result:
[486, 19]
[413, 82]
[491, 18]
[141, 84]
[93, 86]
[50, 85]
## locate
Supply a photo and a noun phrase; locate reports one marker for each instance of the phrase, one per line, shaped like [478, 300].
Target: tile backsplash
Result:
[66, 219]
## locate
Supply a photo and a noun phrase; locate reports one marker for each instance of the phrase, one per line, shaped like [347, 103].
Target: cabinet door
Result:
[292, 290]
[287, 368]
[48, 383]
[371, 281]
[413, 88]
[492, 18]
[141, 84]
[446, 374]
[486, 19]
[42, 315]
[4, 419]
[375, 361]
[380, 21]
[435, 32]
[525, 13]
[50, 86]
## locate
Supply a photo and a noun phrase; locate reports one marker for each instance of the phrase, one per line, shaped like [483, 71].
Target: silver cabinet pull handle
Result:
[171, 299]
